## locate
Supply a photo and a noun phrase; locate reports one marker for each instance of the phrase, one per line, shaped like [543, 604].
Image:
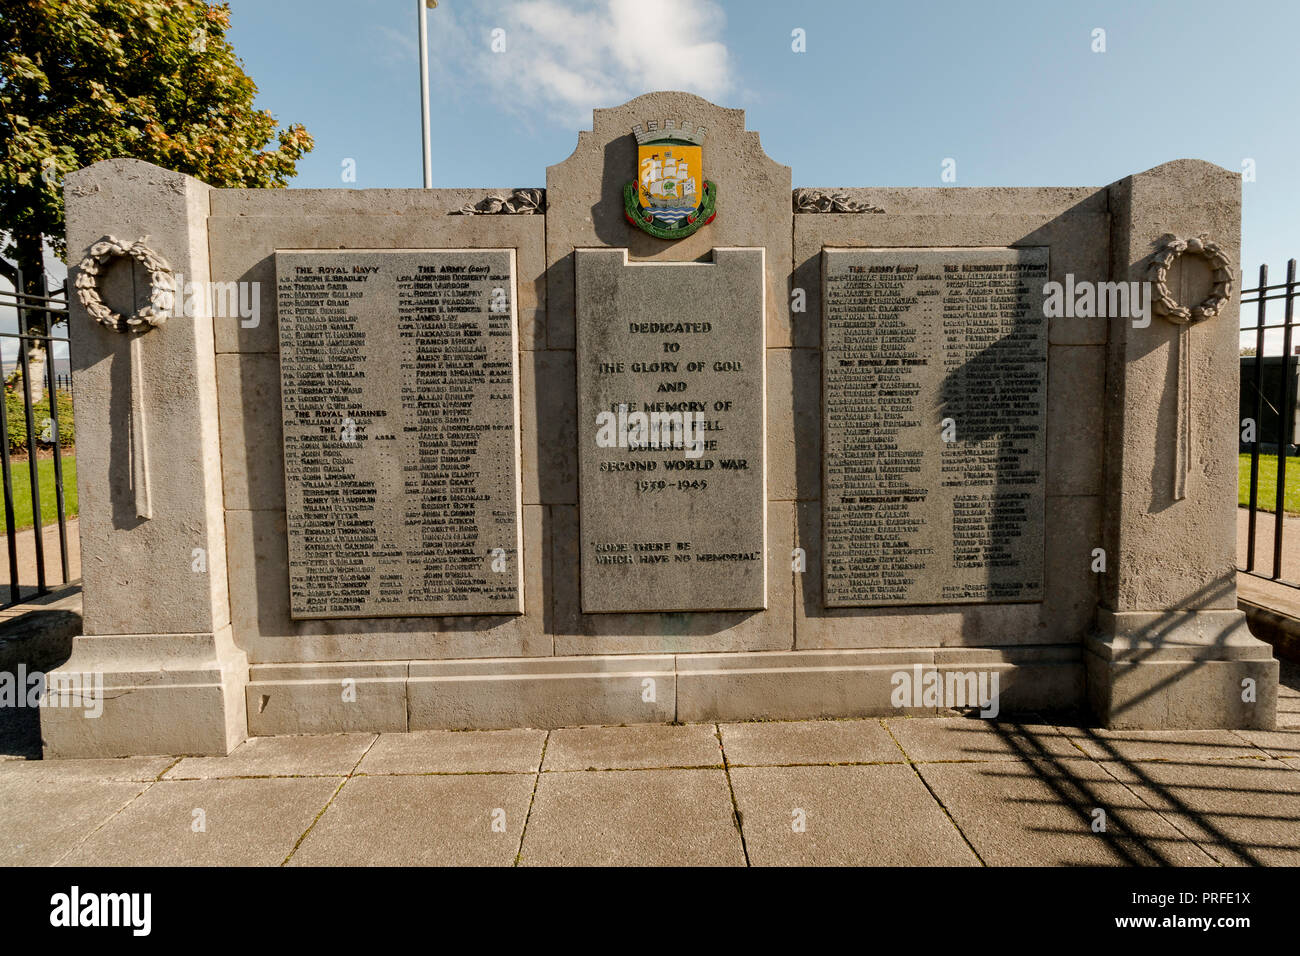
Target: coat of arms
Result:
[670, 198]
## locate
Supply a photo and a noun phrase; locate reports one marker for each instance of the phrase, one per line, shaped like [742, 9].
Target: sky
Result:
[883, 93]
[1018, 93]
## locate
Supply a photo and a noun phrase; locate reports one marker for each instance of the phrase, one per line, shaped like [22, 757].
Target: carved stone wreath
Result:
[522, 202]
[1163, 302]
[162, 282]
[813, 200]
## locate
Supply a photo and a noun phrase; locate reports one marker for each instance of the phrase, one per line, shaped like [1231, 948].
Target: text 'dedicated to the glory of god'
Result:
[671, 432]
[934, 390]
[398, 374]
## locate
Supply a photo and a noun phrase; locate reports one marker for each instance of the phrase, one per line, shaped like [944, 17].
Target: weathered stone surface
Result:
[46, 818]
[434, 820]
[1076, 426]
[1240, 812]
[578, 633]
[640, 747]
[138, 579]
[1164, 552]
[298, 699]
[794, 685]
[785, 743]
[402, 478]
[1171, 477]
[147, 694]
[960, 738]
[452, 751]
[245, 823]
[850, 816]
[671, 434]
[1040, 813]
[1171, 678]
[326, 755]
[632, 818]
[1131, 747]
[934, 377]
[549, 426]
[559, 692]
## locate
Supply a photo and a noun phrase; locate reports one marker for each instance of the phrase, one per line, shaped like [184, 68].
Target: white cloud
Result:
[564, 59]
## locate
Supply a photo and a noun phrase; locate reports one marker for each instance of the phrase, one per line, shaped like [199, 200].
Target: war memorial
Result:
[667, 441]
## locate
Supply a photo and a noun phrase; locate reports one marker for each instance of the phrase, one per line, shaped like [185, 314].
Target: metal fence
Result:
[1268, 404]
[33, 431]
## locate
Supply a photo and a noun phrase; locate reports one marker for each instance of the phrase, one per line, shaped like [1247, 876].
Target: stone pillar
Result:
[156, 630]
[1170, 649]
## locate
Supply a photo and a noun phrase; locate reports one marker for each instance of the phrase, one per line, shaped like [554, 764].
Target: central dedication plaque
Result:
[398, 373]
[934, 391]
[672, 432]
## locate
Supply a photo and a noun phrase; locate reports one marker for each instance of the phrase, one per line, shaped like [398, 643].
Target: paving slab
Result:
[316, 755]
[639, 746]
[140, 769]
[245, 823]
[778, 743]
[1041, 813]
[852, 816]
[1241, 812]
[1283, 742]
[633, 818]
[421, 820]
[1126, 745]
[964, 738]
[44, 818]
[456, 751]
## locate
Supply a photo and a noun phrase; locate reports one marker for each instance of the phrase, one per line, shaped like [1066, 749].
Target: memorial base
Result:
[650, 688]
[1180, 670]
[127, 695]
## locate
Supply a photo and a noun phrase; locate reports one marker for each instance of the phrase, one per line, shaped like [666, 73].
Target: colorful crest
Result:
[670, 197]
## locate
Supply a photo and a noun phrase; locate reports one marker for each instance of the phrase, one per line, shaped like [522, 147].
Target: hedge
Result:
[41, 420]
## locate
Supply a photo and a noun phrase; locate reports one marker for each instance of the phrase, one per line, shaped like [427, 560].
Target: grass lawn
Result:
[49, 504]
[1267, 498]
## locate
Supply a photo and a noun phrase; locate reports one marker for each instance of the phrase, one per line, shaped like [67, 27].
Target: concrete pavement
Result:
[25, 545]
[898, 791]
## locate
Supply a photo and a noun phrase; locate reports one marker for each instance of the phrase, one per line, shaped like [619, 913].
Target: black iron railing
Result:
[1268, 408]
[38, 315]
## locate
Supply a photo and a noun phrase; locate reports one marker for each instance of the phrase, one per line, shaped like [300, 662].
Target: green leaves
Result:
[87, 80]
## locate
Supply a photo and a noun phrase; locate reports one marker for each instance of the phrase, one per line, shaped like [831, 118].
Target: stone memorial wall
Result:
[412, 469]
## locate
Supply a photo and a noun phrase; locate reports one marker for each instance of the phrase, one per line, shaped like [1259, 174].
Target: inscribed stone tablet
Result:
[401, 432]
[671, 431]
[934, 391]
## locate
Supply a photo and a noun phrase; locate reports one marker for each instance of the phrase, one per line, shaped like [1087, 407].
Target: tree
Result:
[87, 80]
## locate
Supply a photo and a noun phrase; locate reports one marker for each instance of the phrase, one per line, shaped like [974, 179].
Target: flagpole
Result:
[420, 6]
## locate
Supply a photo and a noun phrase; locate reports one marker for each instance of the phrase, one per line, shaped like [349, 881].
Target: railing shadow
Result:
[1193, 784]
